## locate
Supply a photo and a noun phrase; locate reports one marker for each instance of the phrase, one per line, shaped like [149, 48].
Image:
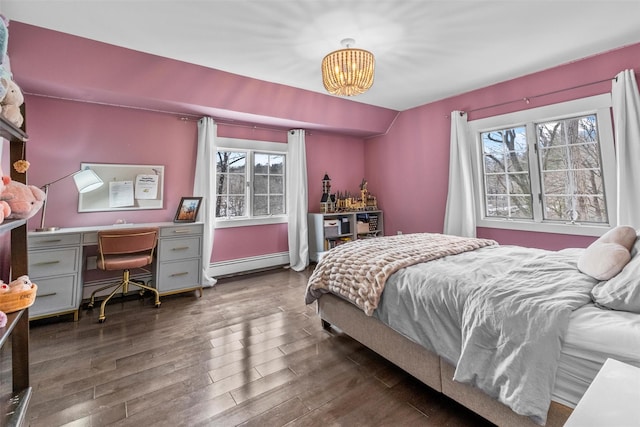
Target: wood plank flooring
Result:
[248, 353]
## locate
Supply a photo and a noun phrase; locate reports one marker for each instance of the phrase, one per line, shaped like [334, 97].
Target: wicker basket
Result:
[11, 302]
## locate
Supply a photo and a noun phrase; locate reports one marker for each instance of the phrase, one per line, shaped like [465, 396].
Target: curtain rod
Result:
[528, 98]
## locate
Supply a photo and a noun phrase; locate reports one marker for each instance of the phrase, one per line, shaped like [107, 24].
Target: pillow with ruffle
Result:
[608, 255]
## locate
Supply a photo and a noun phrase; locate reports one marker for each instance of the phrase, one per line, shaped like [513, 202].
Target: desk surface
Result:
[92, 228]
[612, 399]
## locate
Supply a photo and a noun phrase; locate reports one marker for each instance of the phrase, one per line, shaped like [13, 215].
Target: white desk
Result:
[612, 399]
[57, 263]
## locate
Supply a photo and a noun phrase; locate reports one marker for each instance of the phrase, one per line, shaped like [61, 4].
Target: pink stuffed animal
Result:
[5, 209]
[24, 200]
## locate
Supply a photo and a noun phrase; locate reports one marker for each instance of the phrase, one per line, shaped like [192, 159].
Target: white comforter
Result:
[497, 313]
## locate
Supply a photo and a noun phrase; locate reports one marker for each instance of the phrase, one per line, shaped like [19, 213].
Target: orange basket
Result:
[15, 301]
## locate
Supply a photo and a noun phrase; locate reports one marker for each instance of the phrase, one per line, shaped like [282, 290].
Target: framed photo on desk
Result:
[188, 209]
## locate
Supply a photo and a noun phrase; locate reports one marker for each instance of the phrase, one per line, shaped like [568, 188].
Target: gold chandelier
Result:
[348, 72]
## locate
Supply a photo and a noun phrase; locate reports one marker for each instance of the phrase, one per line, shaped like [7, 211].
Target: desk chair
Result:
[124, 249]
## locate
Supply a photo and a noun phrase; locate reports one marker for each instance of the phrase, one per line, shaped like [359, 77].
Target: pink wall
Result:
[63, 134]
[409, 166]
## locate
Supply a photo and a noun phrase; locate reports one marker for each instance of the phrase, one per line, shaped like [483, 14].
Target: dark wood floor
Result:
[249, 353]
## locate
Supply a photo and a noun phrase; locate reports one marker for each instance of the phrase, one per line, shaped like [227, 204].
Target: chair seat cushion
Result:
[124, 262]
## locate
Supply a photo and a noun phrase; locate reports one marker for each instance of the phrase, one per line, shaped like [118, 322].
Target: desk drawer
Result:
[178, 275]
[53, 262]
[56, 240]
[54, 295]
[175, 249]
[181, 230]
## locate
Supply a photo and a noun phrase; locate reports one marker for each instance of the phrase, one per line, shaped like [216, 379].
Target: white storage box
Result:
[331, 228]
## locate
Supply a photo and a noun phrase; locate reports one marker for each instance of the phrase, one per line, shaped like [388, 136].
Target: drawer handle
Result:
[47, 263]
[180, 248]
[47, 295]
[184, 273]
[51, 241]
[180, 231]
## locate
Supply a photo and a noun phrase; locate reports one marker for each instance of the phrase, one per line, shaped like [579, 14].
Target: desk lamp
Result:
[86, 180]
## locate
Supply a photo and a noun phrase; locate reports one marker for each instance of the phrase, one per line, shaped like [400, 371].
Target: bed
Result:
[523, 331]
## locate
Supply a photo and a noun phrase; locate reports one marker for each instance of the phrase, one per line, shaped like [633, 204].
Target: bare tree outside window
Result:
[571, 170]
[569, 165]
[231, 181]
[250, 176]
[506, 173]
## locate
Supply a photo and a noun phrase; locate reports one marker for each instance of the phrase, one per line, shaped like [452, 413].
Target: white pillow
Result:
[608, 255]
[623, 291]
[604, 260]
[623, 235]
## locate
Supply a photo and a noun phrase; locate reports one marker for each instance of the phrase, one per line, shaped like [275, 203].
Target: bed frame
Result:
[423, 364]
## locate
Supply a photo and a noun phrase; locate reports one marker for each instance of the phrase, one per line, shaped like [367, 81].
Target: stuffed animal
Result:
[5, 209]
[11, 102]
[24, 200]
[22, 283]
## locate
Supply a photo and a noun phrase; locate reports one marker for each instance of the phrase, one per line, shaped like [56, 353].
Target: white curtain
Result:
[460, 214]
[297, 200]
[204, 186]
[626, 122]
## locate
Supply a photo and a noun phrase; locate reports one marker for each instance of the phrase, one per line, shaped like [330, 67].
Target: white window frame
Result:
[249, 146]
[600, 105]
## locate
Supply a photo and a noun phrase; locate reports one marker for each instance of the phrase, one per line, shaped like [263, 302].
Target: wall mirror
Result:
[126, 187]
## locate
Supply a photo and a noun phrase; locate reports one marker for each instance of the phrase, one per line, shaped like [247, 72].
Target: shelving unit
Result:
[17, 329]
[329, 230]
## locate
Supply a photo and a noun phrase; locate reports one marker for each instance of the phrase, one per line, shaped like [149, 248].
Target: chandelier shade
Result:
[348, 72]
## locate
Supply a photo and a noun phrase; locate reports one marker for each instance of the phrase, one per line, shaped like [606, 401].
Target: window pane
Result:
[277, 164]
[221, 206]
[260, 184]
[223, 183]
[236, 206]
[519, 183]
[260, 205]
[497, 206]
[276, 185]
[520, 207]
[277, 205]
[237, 184]
[571, 167]
[261, 163]
[229, 161]
[493, 163]
[496, 184]
[268, 184]
[506, 173]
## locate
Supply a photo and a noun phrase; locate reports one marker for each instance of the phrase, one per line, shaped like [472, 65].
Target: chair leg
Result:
[102, 317]
[93, 294]
[154, 290]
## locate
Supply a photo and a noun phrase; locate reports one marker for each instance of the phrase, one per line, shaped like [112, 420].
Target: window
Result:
[548, 169]
[250, 182]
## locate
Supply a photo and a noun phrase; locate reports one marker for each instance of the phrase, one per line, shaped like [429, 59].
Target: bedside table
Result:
[612, 399]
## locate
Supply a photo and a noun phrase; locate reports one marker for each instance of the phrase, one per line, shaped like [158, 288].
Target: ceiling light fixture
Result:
[348, 71]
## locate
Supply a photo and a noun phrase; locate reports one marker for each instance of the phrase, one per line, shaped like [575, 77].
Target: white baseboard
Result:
[244, 265]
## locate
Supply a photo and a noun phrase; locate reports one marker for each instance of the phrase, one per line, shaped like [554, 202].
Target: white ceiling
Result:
[425, 50]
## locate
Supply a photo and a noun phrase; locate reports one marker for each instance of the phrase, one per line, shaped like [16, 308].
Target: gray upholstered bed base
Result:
[423, 364]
